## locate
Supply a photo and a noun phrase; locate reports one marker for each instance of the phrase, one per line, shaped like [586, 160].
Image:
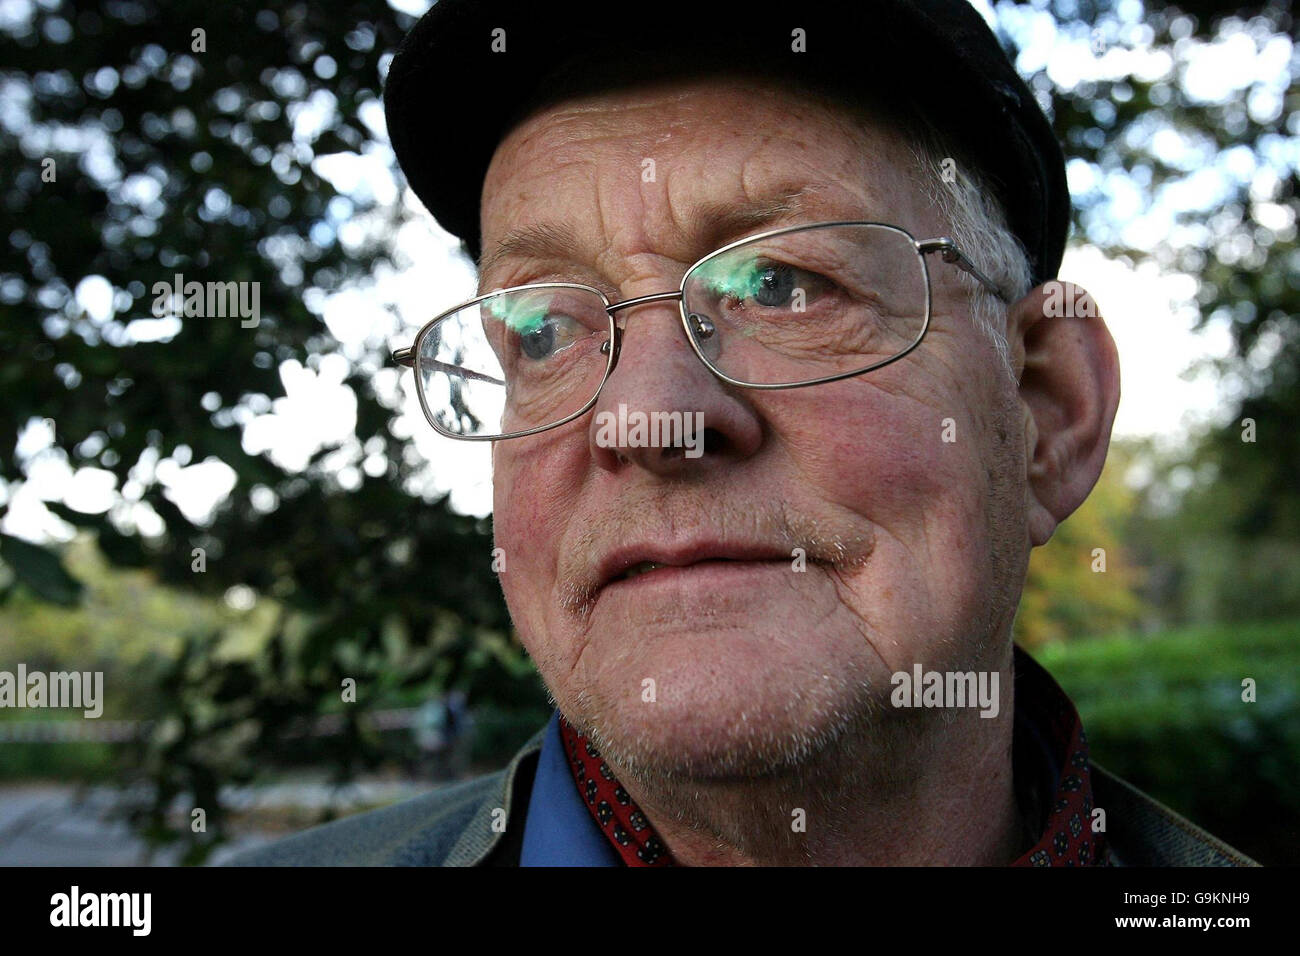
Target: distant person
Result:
[459, 732]
[430, 732]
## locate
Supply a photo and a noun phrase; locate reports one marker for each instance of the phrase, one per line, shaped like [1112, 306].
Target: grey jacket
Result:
[453, 826]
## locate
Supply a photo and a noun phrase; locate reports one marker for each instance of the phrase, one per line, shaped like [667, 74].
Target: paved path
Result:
[59, 825]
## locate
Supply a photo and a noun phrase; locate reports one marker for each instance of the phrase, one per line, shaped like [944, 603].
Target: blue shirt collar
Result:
[559, 830]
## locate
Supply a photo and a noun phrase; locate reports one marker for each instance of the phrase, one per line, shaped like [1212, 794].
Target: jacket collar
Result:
[500, 810]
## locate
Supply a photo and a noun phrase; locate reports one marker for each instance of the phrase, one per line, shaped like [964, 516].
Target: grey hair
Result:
[970, 209]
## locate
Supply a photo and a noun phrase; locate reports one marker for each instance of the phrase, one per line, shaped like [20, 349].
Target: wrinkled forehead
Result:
[721, 154]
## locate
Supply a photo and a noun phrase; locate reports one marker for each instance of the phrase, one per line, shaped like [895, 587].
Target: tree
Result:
[1084, 582]
[146, 139]
[1211, 152]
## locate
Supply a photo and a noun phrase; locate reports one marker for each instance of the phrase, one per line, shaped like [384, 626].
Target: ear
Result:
[1069, 390]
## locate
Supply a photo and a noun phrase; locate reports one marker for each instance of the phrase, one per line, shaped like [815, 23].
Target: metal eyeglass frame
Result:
[946, 248]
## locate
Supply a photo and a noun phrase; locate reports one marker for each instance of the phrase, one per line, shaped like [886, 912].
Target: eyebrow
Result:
[718, 222]
[715, 223]
[537, 241]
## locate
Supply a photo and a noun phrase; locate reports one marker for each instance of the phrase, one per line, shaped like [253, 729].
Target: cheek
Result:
[888, 455]
[916, 469]
[535, 484]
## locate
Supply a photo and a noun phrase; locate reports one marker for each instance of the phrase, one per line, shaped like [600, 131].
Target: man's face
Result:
[915, 545]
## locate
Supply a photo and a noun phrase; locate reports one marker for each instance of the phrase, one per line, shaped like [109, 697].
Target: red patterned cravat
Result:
[613, 808]
[1067, 838]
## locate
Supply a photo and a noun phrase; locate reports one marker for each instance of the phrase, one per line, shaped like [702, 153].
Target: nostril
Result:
[696, 445]
[713, 441]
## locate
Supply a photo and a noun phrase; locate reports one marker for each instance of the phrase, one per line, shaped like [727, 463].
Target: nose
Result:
[661, 409]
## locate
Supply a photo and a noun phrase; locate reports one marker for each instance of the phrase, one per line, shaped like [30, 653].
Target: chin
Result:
[715, 718]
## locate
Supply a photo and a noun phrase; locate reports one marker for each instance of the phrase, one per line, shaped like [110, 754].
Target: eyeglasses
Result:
[792, 307]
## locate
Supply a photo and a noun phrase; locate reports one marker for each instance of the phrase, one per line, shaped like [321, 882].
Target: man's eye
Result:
[774, 285]
[537, 342]
[769, 284]
[549, 335]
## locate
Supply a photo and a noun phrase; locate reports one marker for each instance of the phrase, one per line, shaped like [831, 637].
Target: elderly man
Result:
[782, 392]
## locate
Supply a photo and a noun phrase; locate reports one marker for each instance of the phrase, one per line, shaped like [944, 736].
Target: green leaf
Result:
[41, 570]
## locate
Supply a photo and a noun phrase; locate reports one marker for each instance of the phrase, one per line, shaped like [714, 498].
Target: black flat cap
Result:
[468, 69]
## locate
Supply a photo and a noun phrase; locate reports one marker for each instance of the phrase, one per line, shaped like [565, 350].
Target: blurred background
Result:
[285, 576]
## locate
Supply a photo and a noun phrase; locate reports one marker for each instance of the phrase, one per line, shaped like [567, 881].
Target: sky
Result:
[1150, 313]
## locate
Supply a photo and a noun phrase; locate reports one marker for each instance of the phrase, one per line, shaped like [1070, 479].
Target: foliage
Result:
[1237, 235]
[123, 617]
[1073, 591]
[171, 159]
[1166, 713]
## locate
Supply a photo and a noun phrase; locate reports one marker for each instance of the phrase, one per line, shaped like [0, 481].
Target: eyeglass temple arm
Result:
[406, 357]
[948, 250]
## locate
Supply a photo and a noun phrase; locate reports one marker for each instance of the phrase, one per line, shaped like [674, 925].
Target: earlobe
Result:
[1069, 390]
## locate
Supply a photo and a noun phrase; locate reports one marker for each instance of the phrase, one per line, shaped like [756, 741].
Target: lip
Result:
[613, 566]
[684, 582]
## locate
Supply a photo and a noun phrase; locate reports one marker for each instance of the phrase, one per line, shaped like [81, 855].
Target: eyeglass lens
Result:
[782, 309]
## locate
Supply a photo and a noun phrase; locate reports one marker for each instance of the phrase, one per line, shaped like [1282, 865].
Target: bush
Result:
[1166, 713]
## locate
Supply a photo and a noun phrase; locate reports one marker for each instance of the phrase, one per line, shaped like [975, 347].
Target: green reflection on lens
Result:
[730, 277]
[519, 314]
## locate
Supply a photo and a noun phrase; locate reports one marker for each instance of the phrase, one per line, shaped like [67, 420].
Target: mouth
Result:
[650, 561]
[647, 567]
[639, 569]
[660, 569]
